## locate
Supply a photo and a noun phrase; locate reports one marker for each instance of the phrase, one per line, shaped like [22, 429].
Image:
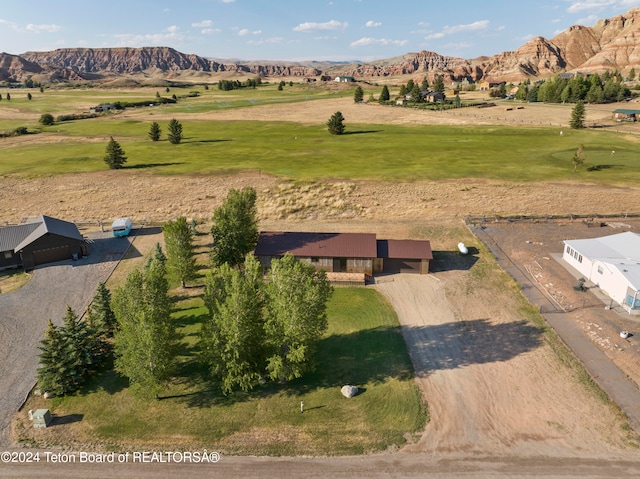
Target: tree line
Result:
[258, 327]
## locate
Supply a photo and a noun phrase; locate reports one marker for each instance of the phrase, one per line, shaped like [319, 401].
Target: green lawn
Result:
[363, 347]
[384, 152]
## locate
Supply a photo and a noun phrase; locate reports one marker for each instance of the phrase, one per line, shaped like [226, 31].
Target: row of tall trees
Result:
[608, 87]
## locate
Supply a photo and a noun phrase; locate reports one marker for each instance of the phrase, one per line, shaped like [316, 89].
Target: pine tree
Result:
[55, 365]
[79, 347]
[358, 95]
[336, 124]
[155, 131]
[114, 155]
[175, 132]
[384, 94]
[438, 86]
[632, 74]
[425, 84]
[101, 316]
[577, 116]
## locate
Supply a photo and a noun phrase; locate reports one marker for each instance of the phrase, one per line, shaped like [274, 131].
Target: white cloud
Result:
[203, 24]
[479, 25]
[227, 1]
[367, 41]
[245, 31]
[434, 36]
[372, 23]
[266, 40]
[171, 34]
[314, 26]
[43, 28]
[590, 5]
[209, 31]
[591, 19]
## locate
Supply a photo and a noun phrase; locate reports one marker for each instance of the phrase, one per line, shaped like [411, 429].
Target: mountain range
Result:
[611, 44]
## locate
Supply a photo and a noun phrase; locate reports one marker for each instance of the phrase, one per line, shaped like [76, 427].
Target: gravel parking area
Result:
[25, 313]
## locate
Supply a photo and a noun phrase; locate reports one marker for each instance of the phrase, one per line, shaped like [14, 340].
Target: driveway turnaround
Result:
[24, 315]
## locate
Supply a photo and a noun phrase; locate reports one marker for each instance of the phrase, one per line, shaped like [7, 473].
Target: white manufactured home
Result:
[612, 263]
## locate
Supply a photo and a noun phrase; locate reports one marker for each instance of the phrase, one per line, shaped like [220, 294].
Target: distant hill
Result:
[611, 44]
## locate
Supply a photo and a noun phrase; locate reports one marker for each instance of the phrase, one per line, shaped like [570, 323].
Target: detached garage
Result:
[403, 256]
[40, 241]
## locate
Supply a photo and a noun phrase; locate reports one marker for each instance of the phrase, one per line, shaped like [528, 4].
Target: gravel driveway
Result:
[24, 315]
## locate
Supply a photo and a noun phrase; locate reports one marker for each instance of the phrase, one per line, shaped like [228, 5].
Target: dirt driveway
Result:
[493, 385]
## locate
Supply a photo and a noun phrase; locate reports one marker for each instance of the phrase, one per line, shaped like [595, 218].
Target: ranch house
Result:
[345, 79]
[612, 263]
[39, 241]
[346, 252]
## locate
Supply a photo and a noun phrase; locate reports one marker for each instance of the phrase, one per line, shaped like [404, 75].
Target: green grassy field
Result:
[286, 149]
[363, 347]
[384, 152]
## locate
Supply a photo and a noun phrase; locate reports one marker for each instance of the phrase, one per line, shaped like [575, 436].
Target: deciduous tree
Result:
[578, 158]
[146, 341]
[296, 302]
[114, 156]
[235, 227]
[232, 337]
[178, 240]
[46, 119]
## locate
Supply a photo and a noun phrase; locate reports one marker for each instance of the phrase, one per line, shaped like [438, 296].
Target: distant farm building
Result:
[434, 97]
[623, 114]
[344, 79]
[612, 263]
[347, 252]
[39, 241]
[488, 85]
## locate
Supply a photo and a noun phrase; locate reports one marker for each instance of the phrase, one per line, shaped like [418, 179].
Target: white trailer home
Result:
[612, 263]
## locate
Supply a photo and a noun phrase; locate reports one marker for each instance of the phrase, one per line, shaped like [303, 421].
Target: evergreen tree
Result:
[178, 240]
[114, 155]
[358, 95]
[101, 315]
[409, 86]
[595, 94]
[55, 369]
[155, 131]
[577, 116]
[296, 319]
[175, 132]
[403, 90]
[232, 338]
[384, 94]
[425, 84]
[335, 124]
[80, 347]
[8, 96]
[632, 74]
[235, 227]
[29, 96]
[438, 86]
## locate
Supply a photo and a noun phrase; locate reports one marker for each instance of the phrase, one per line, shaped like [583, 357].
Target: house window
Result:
[314, 260]
[579, 258]
[600, 270]
[8, 255]
[569, 249]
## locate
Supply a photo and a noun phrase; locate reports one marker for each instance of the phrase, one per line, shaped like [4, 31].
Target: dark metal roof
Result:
[324, 245]
[14, 238]
[404, 249]
[625, 111]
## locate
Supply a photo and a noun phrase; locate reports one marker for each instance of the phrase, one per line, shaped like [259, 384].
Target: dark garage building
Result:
[39, 241]
[403, 256]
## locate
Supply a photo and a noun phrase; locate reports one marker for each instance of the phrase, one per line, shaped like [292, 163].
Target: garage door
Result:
[393, 266]
[50, 255]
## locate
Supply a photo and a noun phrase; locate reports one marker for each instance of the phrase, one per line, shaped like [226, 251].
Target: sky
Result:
[296, 30]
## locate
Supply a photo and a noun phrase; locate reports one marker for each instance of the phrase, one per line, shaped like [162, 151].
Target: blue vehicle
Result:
[121, 227]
